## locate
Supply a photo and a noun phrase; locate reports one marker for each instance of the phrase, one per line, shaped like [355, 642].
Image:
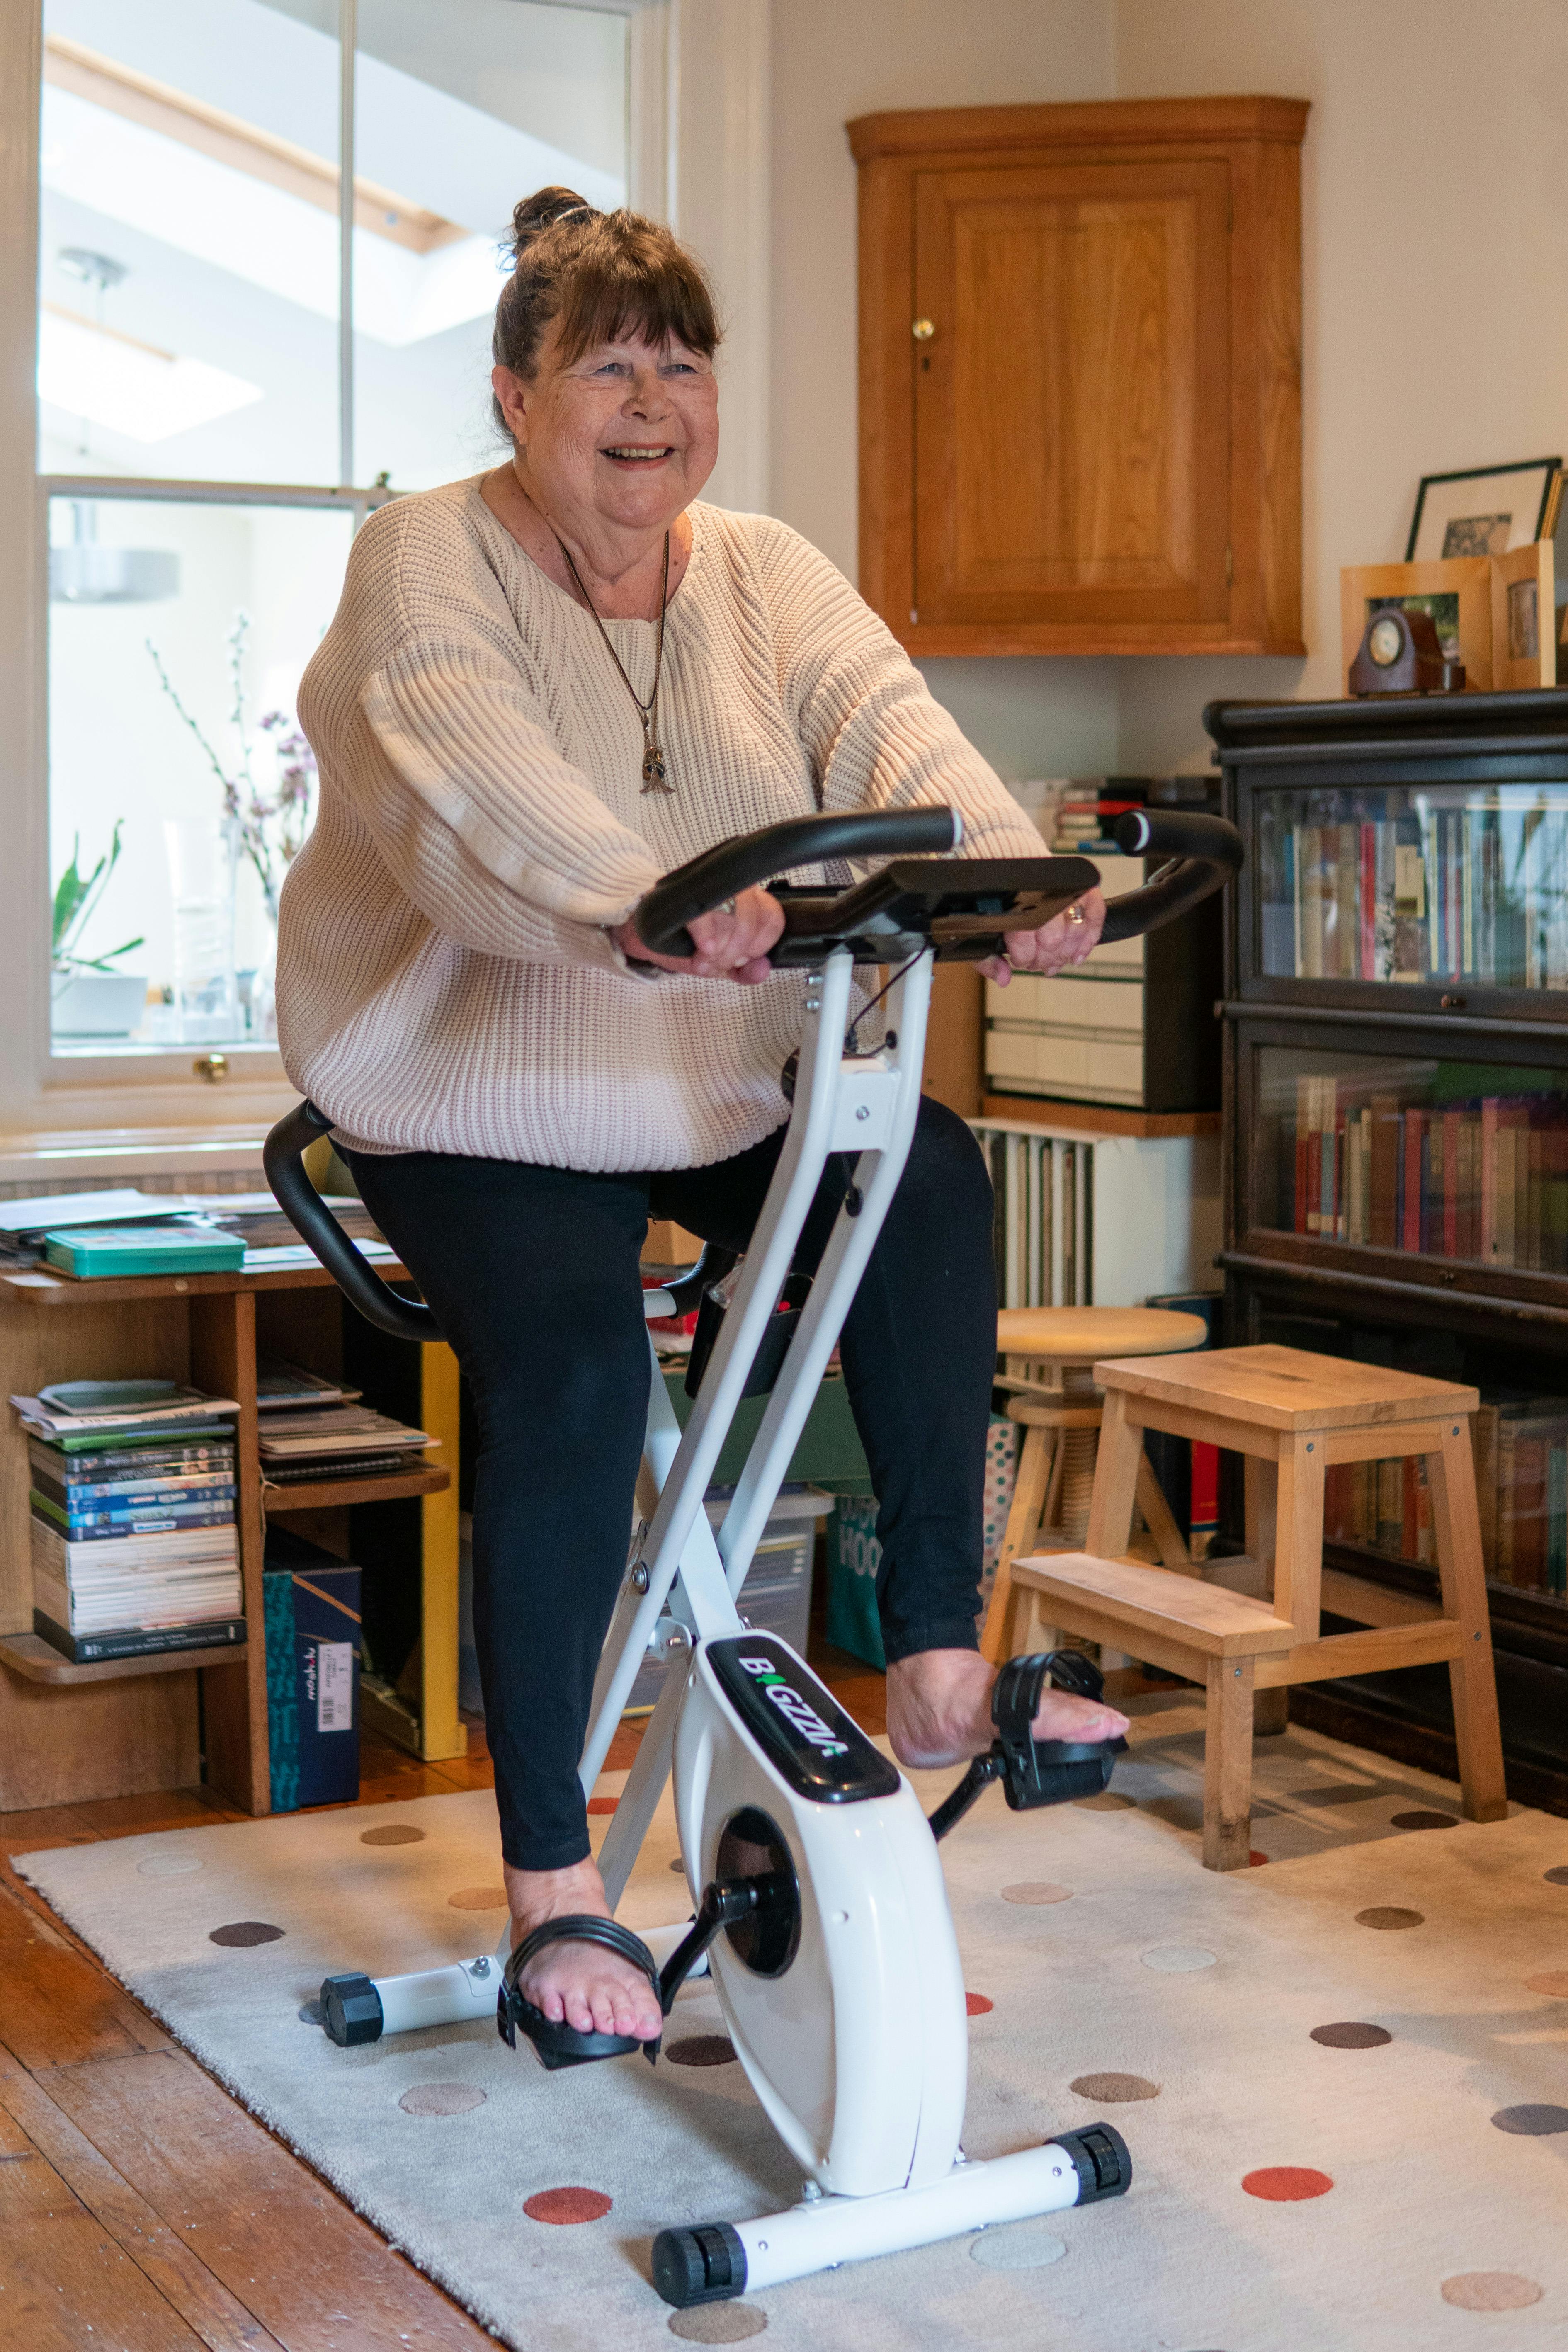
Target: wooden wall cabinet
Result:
[1080, 398]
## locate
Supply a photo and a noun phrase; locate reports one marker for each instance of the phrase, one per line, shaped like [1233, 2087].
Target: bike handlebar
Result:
[735, 866]
[1204, 850]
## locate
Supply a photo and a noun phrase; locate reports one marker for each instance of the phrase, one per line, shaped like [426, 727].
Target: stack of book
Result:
[1484, 1179]
[1477, 893]
[311, 1429]
[269, 1240]
[1086, 817]
[1521, 1490]
[135, 1544]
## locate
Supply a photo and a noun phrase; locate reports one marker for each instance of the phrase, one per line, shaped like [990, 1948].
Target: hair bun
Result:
[541, 211]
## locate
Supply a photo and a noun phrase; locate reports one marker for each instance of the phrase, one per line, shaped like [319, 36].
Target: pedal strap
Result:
[558, 2044]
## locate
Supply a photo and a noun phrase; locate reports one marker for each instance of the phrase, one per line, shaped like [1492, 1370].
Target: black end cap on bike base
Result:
[351, 2010]
[705, 2264]
[1100, 2158]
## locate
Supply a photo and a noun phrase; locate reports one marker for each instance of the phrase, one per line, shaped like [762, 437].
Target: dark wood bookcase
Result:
[1396, 1138]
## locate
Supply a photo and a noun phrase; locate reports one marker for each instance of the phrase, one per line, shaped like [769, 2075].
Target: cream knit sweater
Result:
[444, 979]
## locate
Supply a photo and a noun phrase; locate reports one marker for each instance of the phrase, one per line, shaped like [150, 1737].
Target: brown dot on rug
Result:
[1557, 1876]
[1553, 1982]
[393, 1833]
[478, 1898]
[1491, 2291]
[241, 1932]
[976, 2005]
[1424, 1821]
[1286, 2184]
[1036, 1890]
[718, 2322]
[563, 2206]
[441, 2099]
[678, 1864]
[1533, 2120]
[1115, 2089]
[1351, 2036]
[701, 2050]
[1389, 1914]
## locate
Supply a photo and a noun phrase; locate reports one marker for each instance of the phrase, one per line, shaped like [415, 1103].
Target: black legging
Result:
[533, 1276]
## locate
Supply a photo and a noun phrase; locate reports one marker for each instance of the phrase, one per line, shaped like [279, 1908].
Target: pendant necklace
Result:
[653, 779]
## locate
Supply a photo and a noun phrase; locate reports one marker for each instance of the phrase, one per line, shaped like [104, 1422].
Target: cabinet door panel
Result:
[1071, 408]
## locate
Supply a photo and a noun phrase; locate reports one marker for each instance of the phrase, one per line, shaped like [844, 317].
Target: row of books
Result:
[133, 1534]
[1521, 1489]
[1476, 894]
[1485, 1180]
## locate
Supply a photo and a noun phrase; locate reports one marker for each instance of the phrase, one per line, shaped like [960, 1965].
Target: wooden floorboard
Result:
[170, 2267]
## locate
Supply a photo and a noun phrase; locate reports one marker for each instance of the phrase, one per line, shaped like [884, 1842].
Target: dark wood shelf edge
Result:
[1424, 1294]
[329, 1493]
[1099, 1119]
[31, 1655]
[1362, 1720]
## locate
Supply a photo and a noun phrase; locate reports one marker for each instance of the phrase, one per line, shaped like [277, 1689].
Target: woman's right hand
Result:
[729, 946]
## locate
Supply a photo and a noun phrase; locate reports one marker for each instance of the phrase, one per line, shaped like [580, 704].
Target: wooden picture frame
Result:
[1524, 617]
[1467, 580]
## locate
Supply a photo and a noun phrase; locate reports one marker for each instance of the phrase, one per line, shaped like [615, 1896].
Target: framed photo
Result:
[1489, 510]
[1524, 617]
[1458, 594]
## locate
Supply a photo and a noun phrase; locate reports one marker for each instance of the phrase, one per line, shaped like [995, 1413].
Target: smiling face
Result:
[621, 439]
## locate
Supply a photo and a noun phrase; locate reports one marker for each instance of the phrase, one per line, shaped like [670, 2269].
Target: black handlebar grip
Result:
[735, 866]
[1206, 852]
[282, 1156]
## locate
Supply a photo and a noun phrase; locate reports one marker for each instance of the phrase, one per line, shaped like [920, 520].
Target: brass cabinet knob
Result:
[922, 331]
[211, 1067]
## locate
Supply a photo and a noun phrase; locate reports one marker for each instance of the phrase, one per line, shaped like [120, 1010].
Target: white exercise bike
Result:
[820, 1909]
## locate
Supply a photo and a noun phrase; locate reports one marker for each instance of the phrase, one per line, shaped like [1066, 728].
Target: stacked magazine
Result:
[133, 1537]
[312, 1429]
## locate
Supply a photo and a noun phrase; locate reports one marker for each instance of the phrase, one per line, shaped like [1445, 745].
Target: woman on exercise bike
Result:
[544, 688]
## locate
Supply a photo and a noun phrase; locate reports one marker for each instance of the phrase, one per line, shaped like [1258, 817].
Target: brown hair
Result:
[601, 275]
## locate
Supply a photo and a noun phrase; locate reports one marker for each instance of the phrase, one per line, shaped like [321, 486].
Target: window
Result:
[208, 431]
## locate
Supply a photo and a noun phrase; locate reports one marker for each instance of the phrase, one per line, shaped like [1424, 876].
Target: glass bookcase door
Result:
[1429, 883]
[1426, 1156]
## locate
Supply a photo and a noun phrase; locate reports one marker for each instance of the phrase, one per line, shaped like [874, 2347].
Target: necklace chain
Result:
[654, 777]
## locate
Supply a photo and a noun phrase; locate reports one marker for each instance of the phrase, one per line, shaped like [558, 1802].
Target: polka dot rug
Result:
[1343, 2079]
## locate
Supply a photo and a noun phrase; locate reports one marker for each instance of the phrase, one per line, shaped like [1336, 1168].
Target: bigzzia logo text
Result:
[798, 1712]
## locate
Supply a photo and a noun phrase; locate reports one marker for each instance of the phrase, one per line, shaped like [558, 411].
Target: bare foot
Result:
[939, 1710]
[581, 1984]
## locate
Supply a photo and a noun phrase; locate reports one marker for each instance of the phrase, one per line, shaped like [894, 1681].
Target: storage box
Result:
[311, 1607]
[776, 1595]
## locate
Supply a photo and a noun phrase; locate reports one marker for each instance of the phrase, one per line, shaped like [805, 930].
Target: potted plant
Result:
[87, 999]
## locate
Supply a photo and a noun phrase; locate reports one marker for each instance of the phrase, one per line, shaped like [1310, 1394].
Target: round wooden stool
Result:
[1050, 1352]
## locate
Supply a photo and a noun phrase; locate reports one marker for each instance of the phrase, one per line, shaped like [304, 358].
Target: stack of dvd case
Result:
[134, 1541]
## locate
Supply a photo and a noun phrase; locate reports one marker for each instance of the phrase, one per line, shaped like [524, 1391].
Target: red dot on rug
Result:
[602, 1805]
[1553, 1982]
[560, 2206]
[976, 2005]
[1286, 2184]
[1256, 1859]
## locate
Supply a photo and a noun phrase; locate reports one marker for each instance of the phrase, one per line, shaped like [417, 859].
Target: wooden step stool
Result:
[1049, 1352]
[1294, 1415]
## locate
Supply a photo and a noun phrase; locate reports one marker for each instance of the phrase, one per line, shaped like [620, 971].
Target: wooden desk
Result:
[69, 1732]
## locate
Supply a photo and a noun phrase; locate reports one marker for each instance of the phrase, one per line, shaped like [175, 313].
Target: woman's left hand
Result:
[1062, 942]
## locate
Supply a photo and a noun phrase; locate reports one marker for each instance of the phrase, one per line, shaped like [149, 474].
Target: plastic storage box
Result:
[776, 1595]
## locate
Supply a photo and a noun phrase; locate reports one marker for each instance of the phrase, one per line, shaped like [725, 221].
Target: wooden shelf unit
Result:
[123, 1727]
[1467, 1301]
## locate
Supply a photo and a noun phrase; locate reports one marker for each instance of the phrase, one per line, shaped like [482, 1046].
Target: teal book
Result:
[94, 1252]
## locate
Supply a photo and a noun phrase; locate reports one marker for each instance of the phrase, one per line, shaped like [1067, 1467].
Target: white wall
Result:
[831, 62]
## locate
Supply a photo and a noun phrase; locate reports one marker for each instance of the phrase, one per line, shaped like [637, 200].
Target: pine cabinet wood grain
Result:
[1080, 409]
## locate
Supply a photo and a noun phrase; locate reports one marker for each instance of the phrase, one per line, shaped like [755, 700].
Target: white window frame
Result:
[699, 115]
